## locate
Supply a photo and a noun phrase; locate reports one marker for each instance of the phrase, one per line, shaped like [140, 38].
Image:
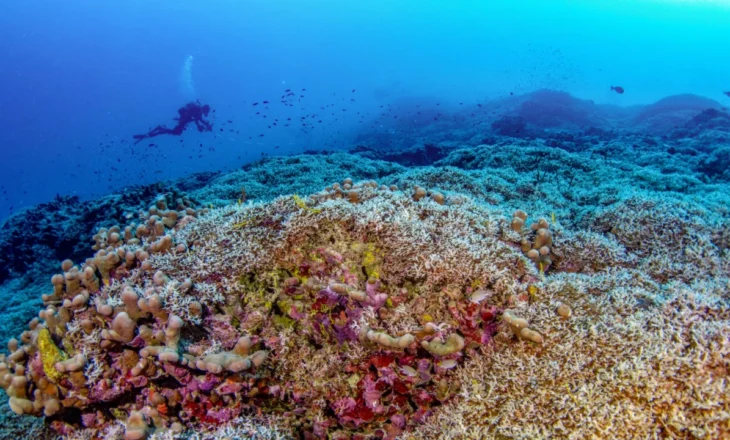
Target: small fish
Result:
[727, 93]
[408, 371]
[265, 102]
[617, 89]
[479, 296]
[255, 104]
[446, 364]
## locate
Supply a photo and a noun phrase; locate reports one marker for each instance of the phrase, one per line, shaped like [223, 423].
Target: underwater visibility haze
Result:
[365, 220]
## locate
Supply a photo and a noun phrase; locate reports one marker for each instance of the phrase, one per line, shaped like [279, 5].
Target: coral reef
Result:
[36, 236]
[319, 311]
[366, 310]
[637, 359]
[428, 305]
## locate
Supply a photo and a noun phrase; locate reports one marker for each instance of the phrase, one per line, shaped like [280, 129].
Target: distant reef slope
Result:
[550, 114]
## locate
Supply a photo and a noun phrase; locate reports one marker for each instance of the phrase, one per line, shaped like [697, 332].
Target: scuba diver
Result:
[191, 112]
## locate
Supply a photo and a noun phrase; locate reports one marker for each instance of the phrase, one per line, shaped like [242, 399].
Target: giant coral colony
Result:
[342, 315]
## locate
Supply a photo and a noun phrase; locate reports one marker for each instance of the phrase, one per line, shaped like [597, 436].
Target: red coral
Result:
[400, 387]
[381, 360]
[423, 398]
[204, 410]
[358, 415]
[406, 360]
[321, 303]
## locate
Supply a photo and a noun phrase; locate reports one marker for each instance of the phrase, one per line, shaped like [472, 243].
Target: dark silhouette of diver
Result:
[191, 112]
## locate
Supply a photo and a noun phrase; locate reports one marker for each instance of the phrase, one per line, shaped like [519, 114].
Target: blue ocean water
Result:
[79, 78]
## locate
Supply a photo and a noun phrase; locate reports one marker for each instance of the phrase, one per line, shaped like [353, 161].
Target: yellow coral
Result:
[371, 262]
[303, 205]
[50, 354]
[294, 271]
[240, 225]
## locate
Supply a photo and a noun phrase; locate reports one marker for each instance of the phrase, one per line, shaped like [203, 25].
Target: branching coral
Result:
[361, 311]
[638, 368]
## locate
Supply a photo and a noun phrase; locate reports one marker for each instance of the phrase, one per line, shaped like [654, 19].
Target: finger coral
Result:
[538, 250]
